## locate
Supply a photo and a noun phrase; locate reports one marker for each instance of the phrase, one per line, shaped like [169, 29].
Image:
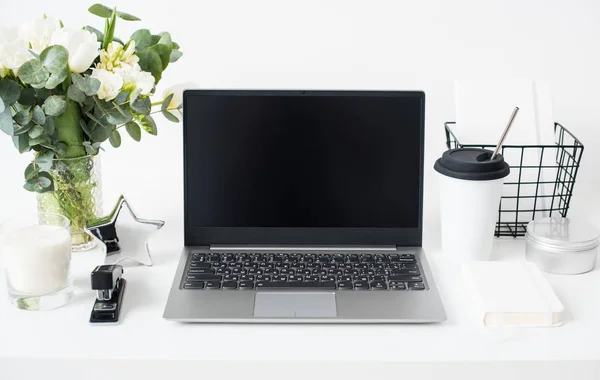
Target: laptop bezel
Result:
[265, 236]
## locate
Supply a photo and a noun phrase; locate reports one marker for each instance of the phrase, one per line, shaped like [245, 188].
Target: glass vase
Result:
[77, 195]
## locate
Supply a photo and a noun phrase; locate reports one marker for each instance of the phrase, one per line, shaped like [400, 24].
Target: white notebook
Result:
[512, 294]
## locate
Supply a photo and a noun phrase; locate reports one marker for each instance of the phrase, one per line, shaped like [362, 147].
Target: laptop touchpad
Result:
[295, 305]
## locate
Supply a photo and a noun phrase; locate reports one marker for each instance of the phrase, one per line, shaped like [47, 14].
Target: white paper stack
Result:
[512, 294]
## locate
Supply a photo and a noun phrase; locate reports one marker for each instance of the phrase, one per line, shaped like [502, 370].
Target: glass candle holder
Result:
[37, 258]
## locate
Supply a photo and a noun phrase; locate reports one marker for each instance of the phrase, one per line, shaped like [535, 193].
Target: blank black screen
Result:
[302, 160]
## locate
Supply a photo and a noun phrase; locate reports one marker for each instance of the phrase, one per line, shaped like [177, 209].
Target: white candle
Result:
[37, 259]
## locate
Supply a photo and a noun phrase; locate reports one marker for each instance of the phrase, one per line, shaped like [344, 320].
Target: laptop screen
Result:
[303, 161]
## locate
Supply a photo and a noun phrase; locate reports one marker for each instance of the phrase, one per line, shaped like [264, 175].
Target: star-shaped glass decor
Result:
[124, 238]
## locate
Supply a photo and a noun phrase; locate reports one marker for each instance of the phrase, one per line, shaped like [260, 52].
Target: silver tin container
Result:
[559, 245]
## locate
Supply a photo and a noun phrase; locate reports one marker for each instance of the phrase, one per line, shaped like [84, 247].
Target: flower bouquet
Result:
[64, 92]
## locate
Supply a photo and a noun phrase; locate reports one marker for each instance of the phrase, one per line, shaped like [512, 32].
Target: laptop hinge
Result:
[301, 248]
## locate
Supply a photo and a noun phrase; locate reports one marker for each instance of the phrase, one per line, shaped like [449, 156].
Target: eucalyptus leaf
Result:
[164, 52]
[31, 171]
[27, 97]
[90, 149]
[122, 97]
[99, 34]
[119, 114]
[56, 59]
[142, 38]
[85, 128]
[134, 130]
[36, 131]
[151, 62]
[23, 117]
[148, 124]
[74, 93]
[127, 16]
[55, 105]
[86, 84]
[61, 149]
[21, 142]
[115, 139]
[9, 91]
[142, 105]
[100, 10]
[34, 73]
[19, 130]
[166, 102]
[165, 39]
[42, 94]
[49, 126]
[38, 115]
[41, 140]
[169, 116]
[175, 55]
[2, 106]
[40, 183]
[44, 160]
[6, 122]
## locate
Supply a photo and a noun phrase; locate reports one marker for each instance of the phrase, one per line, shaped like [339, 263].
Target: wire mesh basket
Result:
[541, 180]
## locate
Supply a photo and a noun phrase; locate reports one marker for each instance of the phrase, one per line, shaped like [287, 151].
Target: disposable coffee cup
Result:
[470, 191]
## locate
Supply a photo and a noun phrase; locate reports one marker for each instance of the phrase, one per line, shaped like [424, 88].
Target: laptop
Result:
[303, 207]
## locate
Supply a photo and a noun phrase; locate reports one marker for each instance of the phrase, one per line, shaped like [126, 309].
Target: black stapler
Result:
[109, 284]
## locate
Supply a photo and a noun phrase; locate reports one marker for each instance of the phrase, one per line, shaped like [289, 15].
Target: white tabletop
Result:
[145, 344]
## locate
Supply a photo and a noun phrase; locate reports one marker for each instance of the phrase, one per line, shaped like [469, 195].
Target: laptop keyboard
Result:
[303, 271]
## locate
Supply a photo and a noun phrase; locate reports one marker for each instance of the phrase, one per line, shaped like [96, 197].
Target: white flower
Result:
[38, 33]
[83, 47]
[116, 56]
[136, 79]
[177, 100]
[110, 84]
[13, 51]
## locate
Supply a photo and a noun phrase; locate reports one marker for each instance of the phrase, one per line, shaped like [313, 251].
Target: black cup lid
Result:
[472, 164]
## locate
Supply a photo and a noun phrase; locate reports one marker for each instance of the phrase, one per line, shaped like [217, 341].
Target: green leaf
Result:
[109, 29]
[23, 117]
[61, 149]
[164, 52]
[169, 116]
[41, 183]
[42, 94]
[121, 98]
[151, 62]
[127, 16]
[85, 128]
[142, 38]
[6, 122]
[175, 46]
[60, 23]
[86, 84]
[100, 133]
[148, 124]
[27, 97]
[74, 93]
[19, 130]
[55, 105]
[166, 102]
[56, 60]
[31, 171]
[44, 160]
[115, 139]
[100, 10]
[36, 131]
[165, 39]
[99, 34]
[9, 91]
[142, 105]
[41, 140]
[34, 73]
[38, 115]
[134, 130]
[21, 143]
[175, 55]
[49, 126]
[2, 107]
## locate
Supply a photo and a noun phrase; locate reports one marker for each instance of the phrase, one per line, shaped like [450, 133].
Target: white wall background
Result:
[342, 44]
